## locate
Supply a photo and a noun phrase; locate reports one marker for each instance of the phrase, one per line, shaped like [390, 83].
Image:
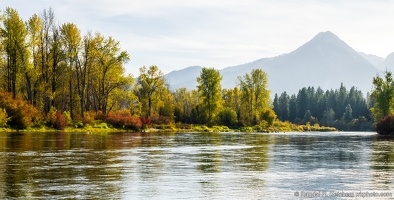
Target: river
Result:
[194, 165]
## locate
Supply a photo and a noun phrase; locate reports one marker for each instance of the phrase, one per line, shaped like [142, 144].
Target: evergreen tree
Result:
[347, 115]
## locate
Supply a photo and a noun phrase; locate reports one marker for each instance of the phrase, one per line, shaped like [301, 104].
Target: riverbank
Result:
[104, 127]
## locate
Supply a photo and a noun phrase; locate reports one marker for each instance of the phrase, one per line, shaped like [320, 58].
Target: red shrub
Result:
[386, 125]
[161, 120]
[60, 122]
[145, 121]
[123, 119]
[56, 120]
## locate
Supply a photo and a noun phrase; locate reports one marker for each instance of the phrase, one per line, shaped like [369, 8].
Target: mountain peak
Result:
[325, 61]
[328, 38]
[325, 34]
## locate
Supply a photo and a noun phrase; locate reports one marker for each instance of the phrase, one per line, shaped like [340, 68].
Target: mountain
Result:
[388, 63]
[325, 61]
[183, 78]
[376, 61]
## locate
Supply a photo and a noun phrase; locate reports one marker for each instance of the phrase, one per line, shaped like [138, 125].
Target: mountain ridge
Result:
[324, 61]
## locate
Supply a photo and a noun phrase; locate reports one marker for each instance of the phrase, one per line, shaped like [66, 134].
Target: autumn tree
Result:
[232, 99]
[14, 35]
[382, 94]
[209, 89]
[32, 73]
[149, 84]
[255, 96]
[108, 71]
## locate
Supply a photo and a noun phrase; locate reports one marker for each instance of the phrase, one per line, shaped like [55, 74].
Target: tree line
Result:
[53, 65]
[72, 77]
[340, 108]
[63, 73]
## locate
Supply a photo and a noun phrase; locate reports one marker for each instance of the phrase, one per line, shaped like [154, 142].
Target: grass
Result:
[100, 126]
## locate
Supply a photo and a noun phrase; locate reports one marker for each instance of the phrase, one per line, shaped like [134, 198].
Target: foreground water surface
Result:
[192, 165]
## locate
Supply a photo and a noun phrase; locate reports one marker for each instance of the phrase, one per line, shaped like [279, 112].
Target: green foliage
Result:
[209, 89]
[227, 117]
[336, 108]
[268, 115]
[149, 85]
[3, 117]
[382, 95]
[67, 117]
[101, 125]
[348, 114]
[255, 95]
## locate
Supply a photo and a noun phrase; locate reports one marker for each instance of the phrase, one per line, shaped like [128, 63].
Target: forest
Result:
[343, 109]
[53, 75]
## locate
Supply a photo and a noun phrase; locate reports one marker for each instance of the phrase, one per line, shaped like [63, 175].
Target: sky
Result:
[175, 34]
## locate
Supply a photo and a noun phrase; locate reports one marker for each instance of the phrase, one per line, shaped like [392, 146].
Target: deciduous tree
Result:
[209, 89]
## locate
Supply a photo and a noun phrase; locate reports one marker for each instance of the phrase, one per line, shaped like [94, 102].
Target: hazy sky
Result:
[174, 34]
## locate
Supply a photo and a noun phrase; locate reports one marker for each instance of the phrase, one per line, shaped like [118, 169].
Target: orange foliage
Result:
[21, 112]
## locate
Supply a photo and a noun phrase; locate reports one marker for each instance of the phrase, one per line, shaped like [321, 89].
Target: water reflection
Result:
[383, 162]
[191, 165]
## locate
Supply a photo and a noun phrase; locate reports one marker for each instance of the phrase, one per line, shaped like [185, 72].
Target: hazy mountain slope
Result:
[183, 78]
[324, 61]
[388, 63]
[374, 60]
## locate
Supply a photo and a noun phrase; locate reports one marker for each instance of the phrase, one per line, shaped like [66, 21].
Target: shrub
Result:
[56, 120]
[67, 117]
[161, 120]
[268, 115]
[21, 113]
[145, 121]
[60, 122]
[51, 117]
[123, 119]
[89, 117]
[228, 117]
[386, 125]
[3, 117]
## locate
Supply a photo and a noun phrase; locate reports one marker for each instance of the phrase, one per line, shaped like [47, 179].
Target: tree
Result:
[347, 115]
[255, 95]
[71, 39]
[232, 99]
[302, 102]
[14, 35]
[108, 71]
[209, 89]
[32, 74]
[284, 109]
[227, 117]
[150, 82]
[328, 117]
[293, 108]
[184, 103]
[382, 94]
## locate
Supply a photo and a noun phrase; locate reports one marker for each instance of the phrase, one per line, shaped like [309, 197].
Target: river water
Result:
[194, 165]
